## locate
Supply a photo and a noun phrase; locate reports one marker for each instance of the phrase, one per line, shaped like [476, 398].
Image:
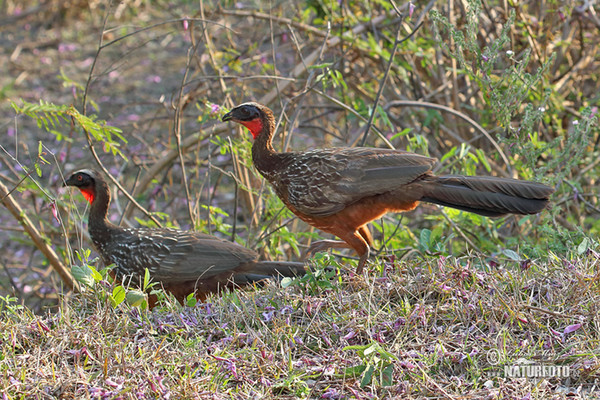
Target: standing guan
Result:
[183, 262]
[340, 190]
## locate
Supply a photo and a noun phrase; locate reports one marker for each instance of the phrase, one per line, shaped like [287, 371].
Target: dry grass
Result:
[440, 319]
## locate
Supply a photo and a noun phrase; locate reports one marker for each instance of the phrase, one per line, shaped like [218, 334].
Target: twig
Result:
[353, 111]
[115, 181]
[397, 41]
[89, 137]
[554, 314]
[12, 280]
[236, 190]
[285, 21]
[177, 133]
[478, 128]
[460, 231]
[581, 198]
[11, 204]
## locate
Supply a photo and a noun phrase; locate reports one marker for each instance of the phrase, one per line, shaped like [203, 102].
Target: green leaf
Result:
[425, 239]
[146, 279]
[135, 298]
[387, 377]
[482, 158]
[287, 281]
[370, 349]
[511, 254]
[319, 66]
[449, 154]
[191, 300]
[403, 132]
[118, 295]
[83, 274]
[358, 347]
[583, 246]
[367, 376]
[354, 371]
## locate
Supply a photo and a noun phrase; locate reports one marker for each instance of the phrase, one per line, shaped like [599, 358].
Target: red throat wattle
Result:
[88, 194]
[255, 126]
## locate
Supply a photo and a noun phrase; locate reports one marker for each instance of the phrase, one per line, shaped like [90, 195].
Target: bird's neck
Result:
[263, 153]
[97, 220]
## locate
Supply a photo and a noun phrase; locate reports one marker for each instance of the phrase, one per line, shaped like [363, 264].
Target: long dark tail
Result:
[488, 196]
[261, 270]
[282, 268]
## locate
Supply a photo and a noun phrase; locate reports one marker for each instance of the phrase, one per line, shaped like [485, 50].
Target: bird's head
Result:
[84, 180]
[251, 115]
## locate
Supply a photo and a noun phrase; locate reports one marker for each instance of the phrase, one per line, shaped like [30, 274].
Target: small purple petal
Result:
[571, 328]
[350, 335]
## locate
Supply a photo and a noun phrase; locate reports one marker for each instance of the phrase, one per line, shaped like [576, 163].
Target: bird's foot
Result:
[362, 261]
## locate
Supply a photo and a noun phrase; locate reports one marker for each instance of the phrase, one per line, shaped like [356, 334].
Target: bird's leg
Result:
[355, 240]
[366, 234]
[362, 261]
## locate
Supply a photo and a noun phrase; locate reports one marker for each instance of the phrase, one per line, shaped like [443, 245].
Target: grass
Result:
[424, 328]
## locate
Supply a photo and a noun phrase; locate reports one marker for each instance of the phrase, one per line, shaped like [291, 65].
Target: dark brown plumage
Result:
[182, 262]
[340, 190]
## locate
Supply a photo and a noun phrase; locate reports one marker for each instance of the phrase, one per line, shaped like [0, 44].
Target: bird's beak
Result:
[67, 182]
[227, 117]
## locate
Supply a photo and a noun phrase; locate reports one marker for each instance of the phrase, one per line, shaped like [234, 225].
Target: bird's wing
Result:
[324, 182]
[176, 256]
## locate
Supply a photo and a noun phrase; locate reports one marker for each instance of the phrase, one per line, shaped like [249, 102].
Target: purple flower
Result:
[331, 393]
[214, 108]
[350, 335]
[286, 310]
[267, 316]
[571, 328]
[398, 323]
[265, 382]
[411, 9]
[445, 288]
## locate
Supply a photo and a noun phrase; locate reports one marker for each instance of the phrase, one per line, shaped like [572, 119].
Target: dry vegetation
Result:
[452, 291]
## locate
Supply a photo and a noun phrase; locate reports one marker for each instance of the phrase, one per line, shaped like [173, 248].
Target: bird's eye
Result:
[79, 178]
